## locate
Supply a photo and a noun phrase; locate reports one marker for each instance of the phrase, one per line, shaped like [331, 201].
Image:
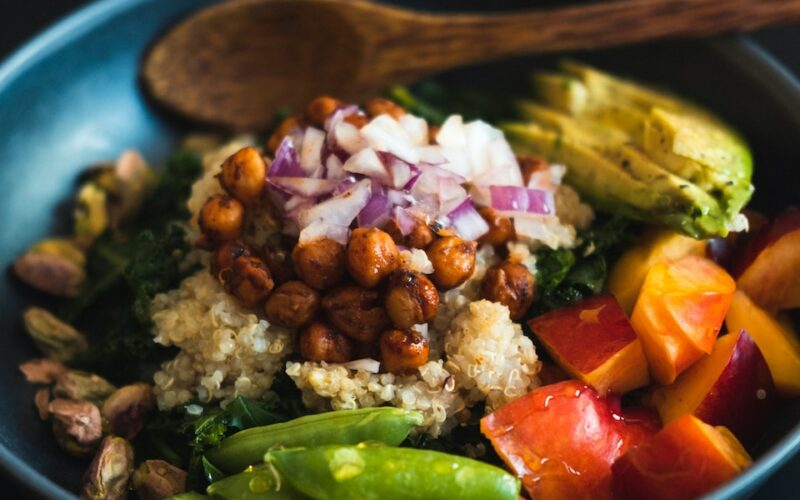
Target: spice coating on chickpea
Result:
[510, 284]
[244, 175]
[420, 237]
[249, 281]
[319, 342]
[224, 255]
[356, 312]
[402, 352]
[357, 120]
[320, 108]
[411, 299]
[293, 304]
[221, 218]
[501, 229]
[320, 263]
[284, 129]
[372, 255]
[381, 106]
[453, 261]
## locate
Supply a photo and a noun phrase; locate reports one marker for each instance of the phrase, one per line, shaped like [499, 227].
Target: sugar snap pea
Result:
[385, 424]
[260, 482]
[376, 472]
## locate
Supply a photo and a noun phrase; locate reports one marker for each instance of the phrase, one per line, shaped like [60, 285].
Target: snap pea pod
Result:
[375, 472]
[260, 482]
[189, 495]
[385, 424]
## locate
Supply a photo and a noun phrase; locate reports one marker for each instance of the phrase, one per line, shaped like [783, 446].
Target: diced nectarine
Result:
[561, 440]
[679, 313]
[777, 342]
[768, 270]
[686, 459]
[730, 387]
[627, 276]
[594, 342]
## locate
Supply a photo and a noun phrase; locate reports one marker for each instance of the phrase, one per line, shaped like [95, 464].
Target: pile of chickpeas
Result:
[349, 301]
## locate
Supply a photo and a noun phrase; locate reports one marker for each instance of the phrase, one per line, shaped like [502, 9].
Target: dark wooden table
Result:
[21, 19]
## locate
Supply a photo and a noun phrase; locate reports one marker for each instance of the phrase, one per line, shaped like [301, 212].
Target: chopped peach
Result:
[679, 313]
[686, 459]
[627, 276]
[731, 387]
[777, 342]
[594, 342]
[768, 270]
[561, 440]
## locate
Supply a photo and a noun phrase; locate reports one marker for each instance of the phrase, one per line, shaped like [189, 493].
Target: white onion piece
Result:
[304, 186]
[341, 209]
[367, 162]
[503, 167]
[334, 168]
[311, 150]
[295, 202]
[452, 135]
[416, 128]
[548, 179]
[399, 198]
[422, 328]
[431, 155]
[467, 222]
[367, 364]
[348, 138]
[384, 133]
[318, 230]
[451, 195]
[481, 195]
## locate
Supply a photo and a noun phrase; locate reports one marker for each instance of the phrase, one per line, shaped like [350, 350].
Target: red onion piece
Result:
[522, 199]
[405, 221]
[319, 229]
[376, 212]
[311, 150]
[367, 162]
[304, 186]
[467, 222]
[286, 162]
[340, 209]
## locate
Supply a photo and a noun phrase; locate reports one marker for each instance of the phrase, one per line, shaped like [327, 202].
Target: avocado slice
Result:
[621, 179]
[619, 117]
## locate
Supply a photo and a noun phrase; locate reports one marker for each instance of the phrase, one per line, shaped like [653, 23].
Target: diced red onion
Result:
[405, 221]
[368, 365]
[319, 229]
[431, 155]
[333, 168]
[311, 150]
[304, 186]
[416, 128]
[367, 162]
[399, 198]
[286, 162]
[384, 133]
[522, 199]
[376, 212]
[340, 209]
[467, 222]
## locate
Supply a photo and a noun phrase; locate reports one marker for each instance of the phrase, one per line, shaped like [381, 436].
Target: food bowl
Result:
[71, 98]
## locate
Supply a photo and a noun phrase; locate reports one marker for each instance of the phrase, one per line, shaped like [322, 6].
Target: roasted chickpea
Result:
[510, 284]
[222, 218]
[357, 120]
[224, 255]
[320, 263]
[420, 237]
[244, 175]
[381, 106]
[501, 229]
[320, 108]
[319, 342]
[529, 165]
[249, 281]
[292, 305]
[356, 312]
[433, 131]
[402, 352]
[284, 129]
[372, 255]
[453, 261]
[279, 263]
[411, 299]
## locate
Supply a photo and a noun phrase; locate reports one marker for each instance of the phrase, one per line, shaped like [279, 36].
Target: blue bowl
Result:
[71, 98]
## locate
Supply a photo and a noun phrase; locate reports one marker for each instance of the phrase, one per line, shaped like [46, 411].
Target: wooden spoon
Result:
[239, 62]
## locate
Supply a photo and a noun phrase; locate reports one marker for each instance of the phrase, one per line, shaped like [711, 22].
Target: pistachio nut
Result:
[42, 370]
[126, 409]
[91, 213]
[42, 402]
[56, 266]
[157, 479]
[108, 474]
[77, 425]
[135, 180]
[52, 336]
[75, 384]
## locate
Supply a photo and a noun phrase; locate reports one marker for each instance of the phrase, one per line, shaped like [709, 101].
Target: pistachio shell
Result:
[42, 370]
[55, 266]
[126, 410]
[91, 214]
[52, 336]
[108, 475]
[77, 425]
[157, 479]
[42, 402]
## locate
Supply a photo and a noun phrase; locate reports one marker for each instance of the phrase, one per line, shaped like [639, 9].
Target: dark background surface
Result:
[21, 19]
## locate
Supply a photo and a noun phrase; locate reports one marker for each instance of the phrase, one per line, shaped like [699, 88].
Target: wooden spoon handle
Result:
[448, 41]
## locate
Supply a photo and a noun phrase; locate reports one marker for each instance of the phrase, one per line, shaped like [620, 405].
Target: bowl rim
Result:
[742, 51]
